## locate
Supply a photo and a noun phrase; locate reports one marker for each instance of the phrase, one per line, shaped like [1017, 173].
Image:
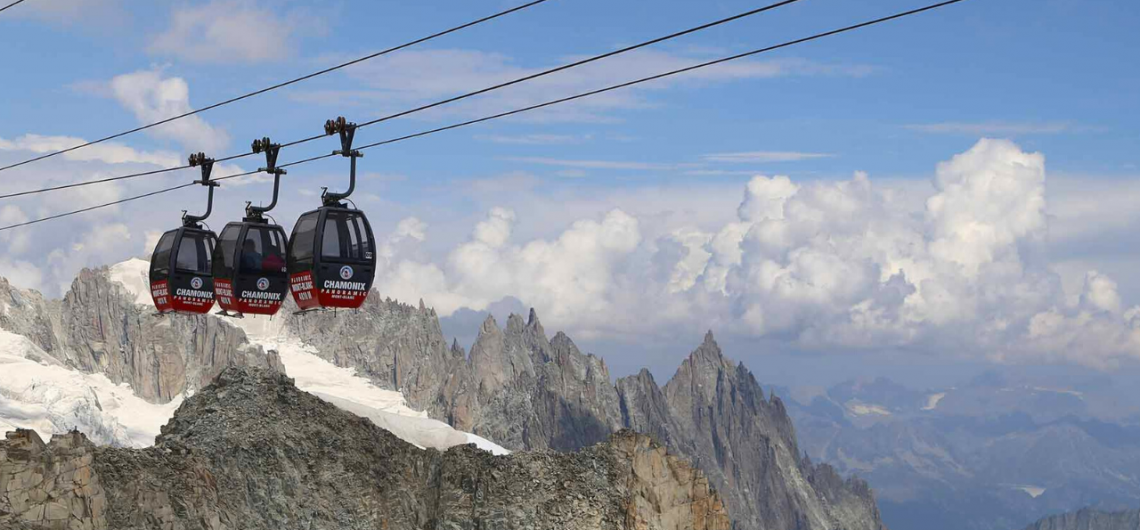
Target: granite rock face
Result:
[49, 486]
[527, 392]
[98, 328]
[251, 451]
[1089, 519]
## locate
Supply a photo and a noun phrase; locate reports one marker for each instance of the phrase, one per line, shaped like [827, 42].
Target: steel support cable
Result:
[664, 75]
[13, 4]
[461, 97]
[554, 102]
[278, 85]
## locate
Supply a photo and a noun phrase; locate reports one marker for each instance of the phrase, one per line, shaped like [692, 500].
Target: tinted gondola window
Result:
[263, 252]
[365, 248]
[331, 239]
[345, 237]
[228, 244]
[160, 262]
[194, 253]
[304, 235]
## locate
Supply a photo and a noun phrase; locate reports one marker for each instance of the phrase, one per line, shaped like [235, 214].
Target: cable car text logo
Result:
[196, 283]
[346, 273]
[262, 284]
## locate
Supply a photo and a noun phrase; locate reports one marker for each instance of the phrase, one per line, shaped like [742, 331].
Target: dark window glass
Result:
[331, 240]
[228, 244]
[345, 237]
[207, 251]
[263, 251]
[194, 253]
[160, 260]
[301, 244]
[187, 258]
[365, 242]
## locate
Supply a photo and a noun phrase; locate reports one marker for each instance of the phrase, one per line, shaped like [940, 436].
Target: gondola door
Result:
[332, 259]
[181, 278]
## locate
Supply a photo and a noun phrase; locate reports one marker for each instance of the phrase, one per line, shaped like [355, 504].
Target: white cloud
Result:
[232, 31]
[22, 274]
[764, 156]
[107, 14]
[571, 274]
[831, 266]
[152, 98]
[107, 152]
[961, 265]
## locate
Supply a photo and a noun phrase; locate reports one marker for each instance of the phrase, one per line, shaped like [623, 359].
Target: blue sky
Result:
[1058, 74]
[1055, 77]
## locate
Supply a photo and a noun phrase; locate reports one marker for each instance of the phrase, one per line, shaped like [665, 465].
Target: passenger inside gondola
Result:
[273, 262]
[250, 257]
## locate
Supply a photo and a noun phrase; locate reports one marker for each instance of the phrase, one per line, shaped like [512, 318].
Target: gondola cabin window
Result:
[194, 254]
[345, 237]
[228, 242]
[160, 262]
[303, 237]
[263, 252]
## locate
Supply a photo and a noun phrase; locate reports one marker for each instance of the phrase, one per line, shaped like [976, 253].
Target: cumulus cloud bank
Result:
[151, 98]
[823, 266]
[232, 31]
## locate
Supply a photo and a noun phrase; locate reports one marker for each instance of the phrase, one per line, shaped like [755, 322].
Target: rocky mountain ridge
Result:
[1089, 519]
[517, 387]
[98, 328]
[251, 451]
[528, 392]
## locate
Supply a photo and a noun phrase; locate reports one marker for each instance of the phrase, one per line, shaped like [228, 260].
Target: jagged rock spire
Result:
[489, 325]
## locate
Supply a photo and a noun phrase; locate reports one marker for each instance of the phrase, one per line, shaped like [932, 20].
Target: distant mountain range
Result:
[1089, 519]
[992, 454]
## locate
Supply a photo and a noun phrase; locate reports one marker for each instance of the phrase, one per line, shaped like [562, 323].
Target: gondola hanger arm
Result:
[207, 165]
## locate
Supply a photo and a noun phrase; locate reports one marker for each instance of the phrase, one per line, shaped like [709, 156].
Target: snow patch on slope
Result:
[865, 409]
[38, 392]
[933, 400]
[134, 276]
[350, 392]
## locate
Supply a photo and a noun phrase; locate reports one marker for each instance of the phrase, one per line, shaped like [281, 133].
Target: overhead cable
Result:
[454, 99]
[13, 4]
[549, 103]
[276, 86]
